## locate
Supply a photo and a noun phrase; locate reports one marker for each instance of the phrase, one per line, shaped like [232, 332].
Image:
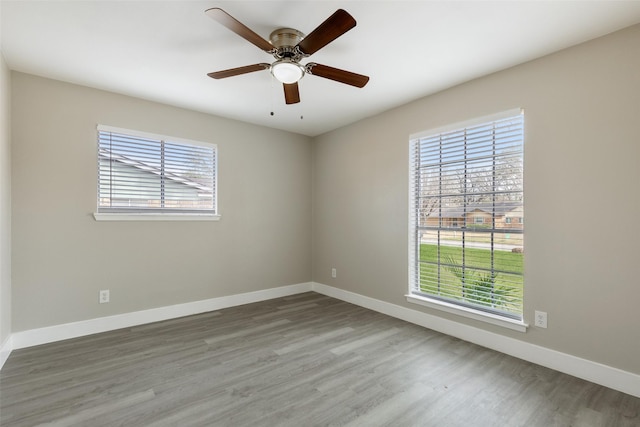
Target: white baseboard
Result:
[598, 373]
[5, 350]
[65, 331]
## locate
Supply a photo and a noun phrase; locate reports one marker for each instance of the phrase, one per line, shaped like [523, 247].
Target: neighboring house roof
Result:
[107, 155]
[501, 209]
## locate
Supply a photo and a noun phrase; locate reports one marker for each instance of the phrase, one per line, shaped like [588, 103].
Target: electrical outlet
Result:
[541, 319]
[104, 296]
[334, 273]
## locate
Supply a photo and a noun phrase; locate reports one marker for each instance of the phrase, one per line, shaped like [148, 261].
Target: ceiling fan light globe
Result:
[286, 71]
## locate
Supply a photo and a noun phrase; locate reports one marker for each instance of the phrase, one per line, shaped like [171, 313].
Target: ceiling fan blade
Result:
[291, 93]
[336, 74]
[237, 71]
[335, 26]
[238, 27]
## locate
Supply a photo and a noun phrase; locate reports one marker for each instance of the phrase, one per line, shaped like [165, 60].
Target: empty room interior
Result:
[432, 225]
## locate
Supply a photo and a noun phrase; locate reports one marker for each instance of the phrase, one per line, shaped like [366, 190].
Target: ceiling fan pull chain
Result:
[271, 92]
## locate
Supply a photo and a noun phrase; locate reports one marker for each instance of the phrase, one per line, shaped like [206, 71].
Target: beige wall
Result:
[62, 257]
[582, 147]
[5, 202]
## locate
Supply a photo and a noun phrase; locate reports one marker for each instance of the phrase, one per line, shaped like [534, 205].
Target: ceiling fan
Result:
[289, 46]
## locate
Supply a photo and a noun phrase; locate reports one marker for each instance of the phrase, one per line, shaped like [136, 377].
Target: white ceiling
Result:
[162, 50]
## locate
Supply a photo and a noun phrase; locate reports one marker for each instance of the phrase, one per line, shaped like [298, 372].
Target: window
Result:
[476, 267]
[141, 173]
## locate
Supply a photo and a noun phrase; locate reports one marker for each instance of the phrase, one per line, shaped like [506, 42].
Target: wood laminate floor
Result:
[304, 360]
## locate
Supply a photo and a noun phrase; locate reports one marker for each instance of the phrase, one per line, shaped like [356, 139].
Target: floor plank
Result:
[304, 360]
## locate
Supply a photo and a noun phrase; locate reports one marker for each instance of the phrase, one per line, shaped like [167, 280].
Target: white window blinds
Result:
[142, 173]
[466, 226]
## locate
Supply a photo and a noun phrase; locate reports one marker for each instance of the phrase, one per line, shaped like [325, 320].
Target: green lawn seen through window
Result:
[444, 283]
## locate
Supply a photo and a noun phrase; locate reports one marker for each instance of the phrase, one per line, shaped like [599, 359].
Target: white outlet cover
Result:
[104, 296]
[541, 319]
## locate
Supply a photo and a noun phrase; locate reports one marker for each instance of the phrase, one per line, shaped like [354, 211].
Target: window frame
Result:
[155, 214]
[451, 306]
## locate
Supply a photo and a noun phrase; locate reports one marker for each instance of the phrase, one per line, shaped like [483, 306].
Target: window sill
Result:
[516, 325]
[154, 217]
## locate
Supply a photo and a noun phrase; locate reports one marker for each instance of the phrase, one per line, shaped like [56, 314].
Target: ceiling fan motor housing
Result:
[285, 37]
[285, 42]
